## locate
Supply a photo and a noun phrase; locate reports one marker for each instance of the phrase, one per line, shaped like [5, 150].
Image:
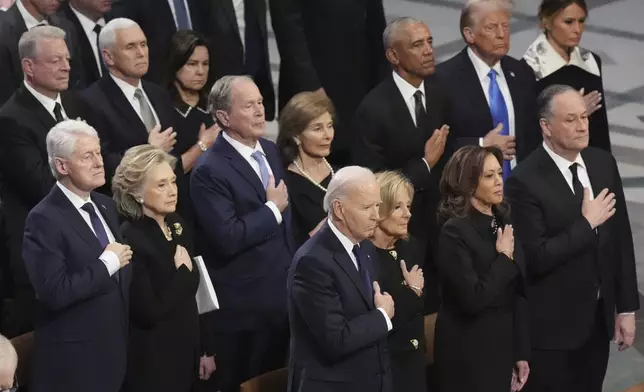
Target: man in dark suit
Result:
[88, 18]
[20, 17]
[400, 125]
[127, 111]
[339, 318]
[335, 46]
[570, 214]
[79, 270]
[245, 222]
[159, 20]
[492, 95]
[36, 106]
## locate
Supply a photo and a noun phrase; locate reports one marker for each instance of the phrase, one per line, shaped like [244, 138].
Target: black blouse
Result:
[191, 118]
[306, 204]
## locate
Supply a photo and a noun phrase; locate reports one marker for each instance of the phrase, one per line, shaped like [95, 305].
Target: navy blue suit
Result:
[81, 331]
[247, 252]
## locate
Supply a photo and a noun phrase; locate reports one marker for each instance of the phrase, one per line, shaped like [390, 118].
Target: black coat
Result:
[387, 139]
[481, 329]
[164, 323]
[337, 335]
[561, 248]
[469, 116]
[27, 179]
[334, 44]
[12, 26]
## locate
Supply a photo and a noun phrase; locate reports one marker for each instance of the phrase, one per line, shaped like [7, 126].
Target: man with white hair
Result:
[339, 318]
[492, 95]
[22, 16]
[37, 105]
[127, 111]
[8, 365]
[79, 269]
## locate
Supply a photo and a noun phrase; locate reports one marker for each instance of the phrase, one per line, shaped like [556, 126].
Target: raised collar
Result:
[544, 59]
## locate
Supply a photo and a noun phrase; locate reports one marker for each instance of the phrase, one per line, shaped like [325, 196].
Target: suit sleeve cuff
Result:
[276, 211]
[111, 261]
[429, 169]
[389, 325]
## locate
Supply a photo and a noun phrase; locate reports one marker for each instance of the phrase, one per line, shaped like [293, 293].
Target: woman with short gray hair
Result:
[163, 308]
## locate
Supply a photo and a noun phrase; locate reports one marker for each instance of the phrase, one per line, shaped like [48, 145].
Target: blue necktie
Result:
[183, 22]
[263, 169]
[499, 112]
[97, 225]
[363, 269]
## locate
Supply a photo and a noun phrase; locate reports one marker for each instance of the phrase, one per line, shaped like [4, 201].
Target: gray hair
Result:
[547, 97]
[131, 174]
[8, 355]
[220, 96]
[476, 6]
[28, 44]
[343, 182]
[107, 38]
[61, 141]
[393, 29]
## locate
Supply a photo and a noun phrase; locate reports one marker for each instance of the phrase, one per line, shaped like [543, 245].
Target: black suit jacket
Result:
[335, 44]
[27, 177]
[338, 337]
[12, 26]
[469, 116]
[567, 261]
[387, 139]
[81, 334]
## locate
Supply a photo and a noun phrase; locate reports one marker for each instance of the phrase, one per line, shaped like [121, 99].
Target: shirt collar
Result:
[481, 68]
[127, 88]
[47, 102]
[406, 89]
[544, 59]
[243, 149]
[347, 244]
[77, 201]
[86, 23]
[30, 20]
[562, 163]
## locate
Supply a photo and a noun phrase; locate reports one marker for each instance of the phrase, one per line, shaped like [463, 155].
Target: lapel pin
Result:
[414, 343]
[511, 73]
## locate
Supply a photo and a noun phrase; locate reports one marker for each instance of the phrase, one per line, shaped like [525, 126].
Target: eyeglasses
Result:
[14, 388]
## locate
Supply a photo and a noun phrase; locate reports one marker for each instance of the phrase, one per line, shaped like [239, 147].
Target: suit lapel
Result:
[157, 105]
[116, 96]
[399, 107]
[87, 53]
[553, 177]
[471, 87]
[239, 164]
[598, 181]
[74, 218]
[38, 110]
[229, 10]
[515, 94]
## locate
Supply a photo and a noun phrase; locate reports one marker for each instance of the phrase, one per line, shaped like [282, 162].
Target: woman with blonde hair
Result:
[164, 347]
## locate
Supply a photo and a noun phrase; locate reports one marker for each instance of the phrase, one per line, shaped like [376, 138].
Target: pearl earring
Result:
[141, 200]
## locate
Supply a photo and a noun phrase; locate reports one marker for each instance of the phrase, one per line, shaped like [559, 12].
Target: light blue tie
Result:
[183, 22]
[499, 112]
[263, 169]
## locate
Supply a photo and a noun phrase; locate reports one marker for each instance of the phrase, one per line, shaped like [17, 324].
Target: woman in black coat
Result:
[164, 348]
[556, 58]
[399, 268]
[481, 341]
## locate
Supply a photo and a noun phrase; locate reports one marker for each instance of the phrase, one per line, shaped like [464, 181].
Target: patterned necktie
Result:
[183, 22]
[363, 268]
[499, 112]
[146, 112]
[419, 109]
[58, 112]
[263, 169]
[576, 184]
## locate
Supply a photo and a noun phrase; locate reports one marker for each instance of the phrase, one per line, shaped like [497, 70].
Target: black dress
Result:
[306, 204]
[164, 343]
[406, 342]
[481, 329]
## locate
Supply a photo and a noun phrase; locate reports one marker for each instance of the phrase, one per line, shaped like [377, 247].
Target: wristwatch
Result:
[202, 146]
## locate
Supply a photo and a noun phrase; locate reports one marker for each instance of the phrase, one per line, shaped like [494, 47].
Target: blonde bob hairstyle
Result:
[131, 174]
[391, 183]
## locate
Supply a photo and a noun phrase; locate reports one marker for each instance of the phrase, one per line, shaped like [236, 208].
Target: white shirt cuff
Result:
[481, 142]
[111, 261]
[276, 211]
[626, 314]
[429, 169]
[389, 325]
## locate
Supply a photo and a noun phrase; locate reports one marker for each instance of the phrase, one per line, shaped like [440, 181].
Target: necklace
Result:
[306, 175]
[494, 224]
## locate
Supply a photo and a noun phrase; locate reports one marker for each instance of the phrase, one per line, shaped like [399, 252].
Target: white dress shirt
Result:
[246, 153]
[407, 91]
[29, 19]
[174, 13]
[564, 167]
[240, 12]
[109, 258]
[129, 92]
[482, 71]
[347, 244]
[47, 102]
[88, 26]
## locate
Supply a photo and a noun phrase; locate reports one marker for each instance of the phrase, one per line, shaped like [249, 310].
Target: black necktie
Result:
[576, 184]
[363, 268]
[419, 109]
[97, 30]
[58, 112]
